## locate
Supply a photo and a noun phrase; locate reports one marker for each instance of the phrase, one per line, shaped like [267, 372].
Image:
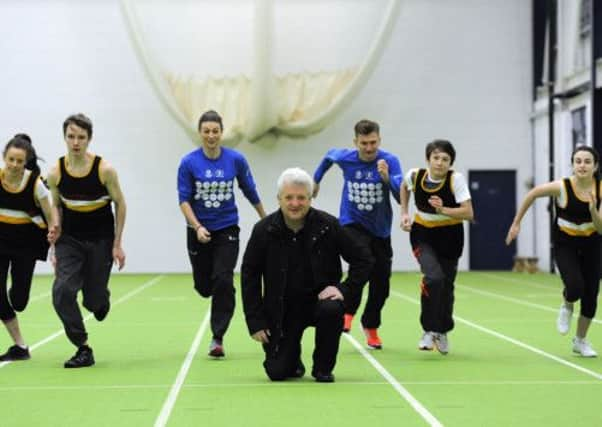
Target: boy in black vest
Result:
[83, 186]
[442, 202]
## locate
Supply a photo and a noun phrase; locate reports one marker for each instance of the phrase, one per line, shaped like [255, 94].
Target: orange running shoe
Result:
[373, 340]
[348, 318]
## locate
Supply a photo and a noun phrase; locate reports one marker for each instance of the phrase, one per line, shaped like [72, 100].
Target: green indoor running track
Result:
[507, 365]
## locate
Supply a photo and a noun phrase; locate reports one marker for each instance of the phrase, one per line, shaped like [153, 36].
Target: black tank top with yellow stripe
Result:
[445, 236]
[86, 204]
[23, 229]
[422, 192]
[573, 222]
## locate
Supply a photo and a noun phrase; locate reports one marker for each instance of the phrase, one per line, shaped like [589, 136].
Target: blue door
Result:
[494, 201]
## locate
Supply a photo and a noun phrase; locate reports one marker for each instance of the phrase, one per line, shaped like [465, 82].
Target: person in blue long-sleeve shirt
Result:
[371, 176]
[206, 194]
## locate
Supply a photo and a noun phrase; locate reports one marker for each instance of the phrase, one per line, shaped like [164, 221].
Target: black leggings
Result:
[21, 273]
[213, 273]
[437, 289]
[379, 281]
[579, 269]
[81, 265]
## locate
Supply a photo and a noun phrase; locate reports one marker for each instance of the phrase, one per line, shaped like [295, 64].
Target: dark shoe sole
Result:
[15, 353]
[217, 353]
[81, 359]
[321, 377]
[74, 366]
[324, 378]
[14, 359]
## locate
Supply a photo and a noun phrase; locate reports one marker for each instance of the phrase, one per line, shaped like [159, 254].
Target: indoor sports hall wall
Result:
[457, 69]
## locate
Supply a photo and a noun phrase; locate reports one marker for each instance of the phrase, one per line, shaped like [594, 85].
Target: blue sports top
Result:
[208, 185]
[365, 199]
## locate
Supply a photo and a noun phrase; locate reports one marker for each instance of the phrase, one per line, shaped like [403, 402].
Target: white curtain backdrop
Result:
[254, 100]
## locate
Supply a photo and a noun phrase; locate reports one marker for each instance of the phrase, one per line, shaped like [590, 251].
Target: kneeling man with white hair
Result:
[291, 279]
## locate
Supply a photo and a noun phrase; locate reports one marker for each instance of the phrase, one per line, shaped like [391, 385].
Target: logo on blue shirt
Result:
[213, 193]
[365, 195]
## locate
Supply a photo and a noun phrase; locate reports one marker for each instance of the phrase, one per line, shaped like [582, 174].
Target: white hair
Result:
[295, 176]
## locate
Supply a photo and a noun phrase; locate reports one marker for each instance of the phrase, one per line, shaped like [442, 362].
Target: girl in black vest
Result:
[576, 237]
[24, 205]
[443, 202]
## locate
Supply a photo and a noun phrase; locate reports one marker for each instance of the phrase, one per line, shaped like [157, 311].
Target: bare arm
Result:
[463, 212]
[595, 213]
[404, 199]
[550, 189]
[108, 176]
[54, 229]
[316, 190]
[49, 213]
[260, 211]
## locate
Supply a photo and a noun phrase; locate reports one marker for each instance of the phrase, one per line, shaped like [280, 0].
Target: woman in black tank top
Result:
[576, 237]
[23, 235]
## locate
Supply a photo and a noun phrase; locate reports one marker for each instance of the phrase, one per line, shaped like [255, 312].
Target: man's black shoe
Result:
[322, 377]
[101, 313]
[82, 358]
[15, 353]
[299, 370]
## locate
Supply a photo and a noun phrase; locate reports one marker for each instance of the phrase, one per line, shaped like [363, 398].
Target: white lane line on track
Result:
[512, 300]
[40, 296]
[294, 384]
[511, 340]
[121, 300]
[520, 281]
[179, 381]
[418, 407]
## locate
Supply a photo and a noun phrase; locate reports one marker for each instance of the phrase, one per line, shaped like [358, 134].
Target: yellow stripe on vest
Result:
[431, 221]
[576, 230]
[86, 205]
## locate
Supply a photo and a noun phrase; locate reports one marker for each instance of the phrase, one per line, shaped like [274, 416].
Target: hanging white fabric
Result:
[259, 102]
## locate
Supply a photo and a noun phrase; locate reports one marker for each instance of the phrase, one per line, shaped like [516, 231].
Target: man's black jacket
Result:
[265, 262]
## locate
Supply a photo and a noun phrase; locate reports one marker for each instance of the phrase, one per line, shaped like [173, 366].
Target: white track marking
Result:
[121, 300]
[40, 296]
[291, 384]
[512, 300]
[422, 411]
[177, 385]
[521, 281]
[511, 340]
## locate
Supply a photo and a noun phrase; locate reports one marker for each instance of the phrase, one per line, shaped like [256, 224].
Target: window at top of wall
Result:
[585, 18]
[579, 126]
